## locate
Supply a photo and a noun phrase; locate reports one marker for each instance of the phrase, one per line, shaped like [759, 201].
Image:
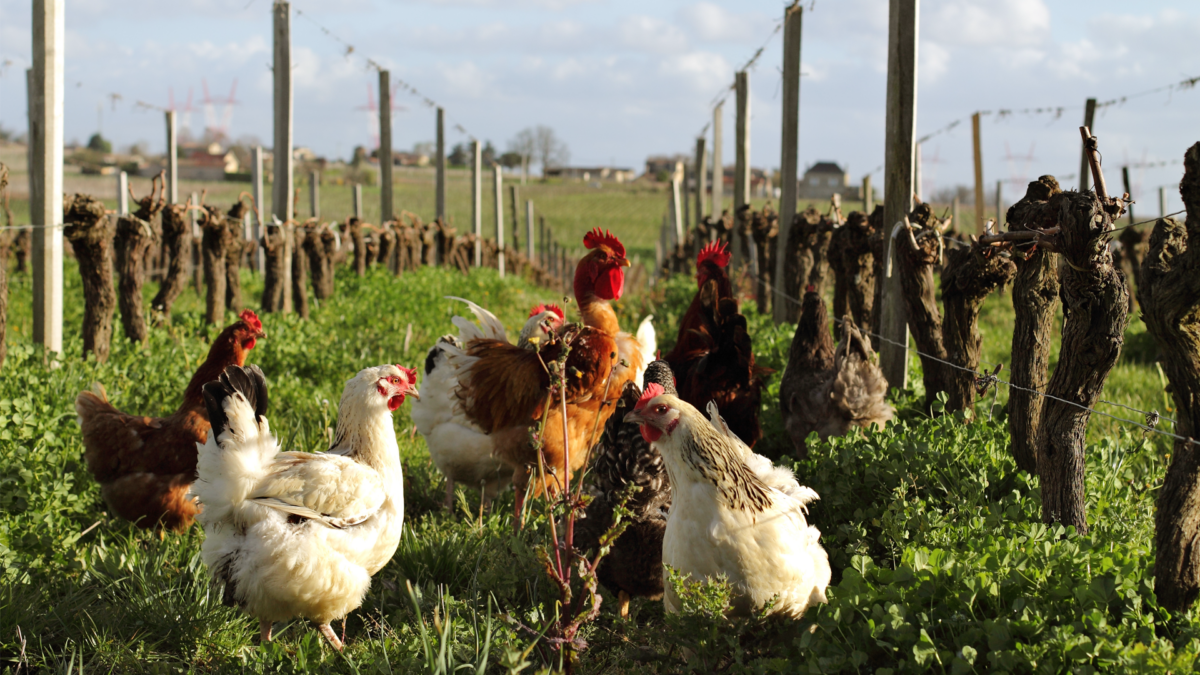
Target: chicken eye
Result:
[660, 409]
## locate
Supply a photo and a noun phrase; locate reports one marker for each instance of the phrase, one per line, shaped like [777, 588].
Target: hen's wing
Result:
[333, 490]
[501, 385]
[116, 444]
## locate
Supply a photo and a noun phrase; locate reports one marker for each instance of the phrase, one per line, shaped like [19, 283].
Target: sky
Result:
[619, 80]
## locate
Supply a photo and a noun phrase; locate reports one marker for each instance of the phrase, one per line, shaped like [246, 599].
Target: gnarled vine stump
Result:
[1169, 292]
[216, 240]
[852, 264]
[1035, 300]
[299, 277]
[1096, 305]
[919, 250]
[90, 232]
[355, 232]
[135, 235]
[274, 244]
[970, 275]
[177, 243]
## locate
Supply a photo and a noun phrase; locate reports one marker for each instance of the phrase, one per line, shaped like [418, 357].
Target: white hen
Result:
[726, 519]
[459, 448]
[297, 534]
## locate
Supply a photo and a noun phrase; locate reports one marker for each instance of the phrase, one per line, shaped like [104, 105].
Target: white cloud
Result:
[986, 23]
[714, 23]
[649, 34]
[703, 72]
[465, 79]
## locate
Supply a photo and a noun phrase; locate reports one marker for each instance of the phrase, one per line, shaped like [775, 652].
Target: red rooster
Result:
[504, 387]
[146, 465]
[713, 358]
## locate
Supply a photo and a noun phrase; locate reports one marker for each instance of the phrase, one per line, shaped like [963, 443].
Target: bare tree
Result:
[542, 143]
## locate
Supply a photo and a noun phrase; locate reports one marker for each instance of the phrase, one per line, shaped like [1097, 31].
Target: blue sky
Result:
[620, 80]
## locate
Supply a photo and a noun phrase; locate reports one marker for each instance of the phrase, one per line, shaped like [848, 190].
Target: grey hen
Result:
[633, 566]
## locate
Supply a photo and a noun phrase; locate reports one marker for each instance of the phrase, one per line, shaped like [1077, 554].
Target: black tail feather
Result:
[249, 382]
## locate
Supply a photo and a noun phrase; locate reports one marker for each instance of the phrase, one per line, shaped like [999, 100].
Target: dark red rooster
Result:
[146, 465]
[713, 358]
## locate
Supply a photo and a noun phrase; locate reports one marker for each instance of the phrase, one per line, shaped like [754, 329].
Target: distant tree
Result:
[510, 160]
[6, 134]
[360, 156]
[542, 144]
[458, 155]
[488, 153]
[426, 148]
[99, 144]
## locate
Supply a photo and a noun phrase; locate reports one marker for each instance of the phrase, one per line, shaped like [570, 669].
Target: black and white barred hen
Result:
[633, 566]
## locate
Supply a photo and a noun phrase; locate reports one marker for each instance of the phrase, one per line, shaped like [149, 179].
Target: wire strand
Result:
[976, 373]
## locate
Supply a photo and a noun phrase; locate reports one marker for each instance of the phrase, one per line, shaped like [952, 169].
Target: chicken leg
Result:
[448, 502]
[327, 631]
[623, 604]
[264, 630]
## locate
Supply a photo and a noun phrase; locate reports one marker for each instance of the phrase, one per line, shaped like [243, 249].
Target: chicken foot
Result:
[623, 603]
[264, 630]
[327, 631]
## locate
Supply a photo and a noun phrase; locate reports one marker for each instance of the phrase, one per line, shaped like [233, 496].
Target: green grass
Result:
[940, 560]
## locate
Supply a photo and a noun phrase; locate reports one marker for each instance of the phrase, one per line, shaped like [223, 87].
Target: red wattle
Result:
[649, 433]
[248, 344]
[610, 284]
[395, 402]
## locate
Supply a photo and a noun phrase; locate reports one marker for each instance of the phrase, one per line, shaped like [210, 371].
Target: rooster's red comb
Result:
[251, 320]
[653, 389]
[596, 238]
[714, 251]
[810, 289]
[410, 374]
[548, 308]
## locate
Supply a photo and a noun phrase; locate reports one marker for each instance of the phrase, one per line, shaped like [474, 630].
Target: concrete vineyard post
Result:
[256, 187]
[1162, 202]
[999, 204]
[46, 172]
[122, 194]
[903, 20]
[790, 147]
[358, 201]
[677, 203]
[868, 195]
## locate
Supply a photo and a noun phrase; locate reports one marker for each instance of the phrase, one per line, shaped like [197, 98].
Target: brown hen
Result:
[146, 465]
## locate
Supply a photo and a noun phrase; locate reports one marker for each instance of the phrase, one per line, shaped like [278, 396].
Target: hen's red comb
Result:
[714, 251]
[410, 374]
[653, 389]
[810, 289]
[251, 320]
[548, 308]
[596, 238]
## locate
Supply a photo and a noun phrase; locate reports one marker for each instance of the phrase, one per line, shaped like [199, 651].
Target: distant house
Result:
[823, 179]
[200, 162]
[657, 164]
[410, 159]
[604, 173]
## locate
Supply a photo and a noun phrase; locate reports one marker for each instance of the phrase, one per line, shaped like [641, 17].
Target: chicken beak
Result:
[414, 393]
[633, 417]
[623, 262]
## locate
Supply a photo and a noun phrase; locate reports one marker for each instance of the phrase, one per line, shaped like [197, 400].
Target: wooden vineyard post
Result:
[1096, 307]
[701, 171]
[516, 222]
[790, 151]
[498, 182]
[917, 170]
[1170, 308]
[314, 194]
[898, 180]
[281, 194]
[1162, 202]
[440, 164]
[477, 201]
[172, 160]
[978, 156]
[543, 239]
[1089, 115]
[718, 170]
[999, 204]
[387, 207]
[677, 205]
[46, 177]
[529, 240]
[868, 195]
[357, 199]
[260, 206]
[743, 243]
